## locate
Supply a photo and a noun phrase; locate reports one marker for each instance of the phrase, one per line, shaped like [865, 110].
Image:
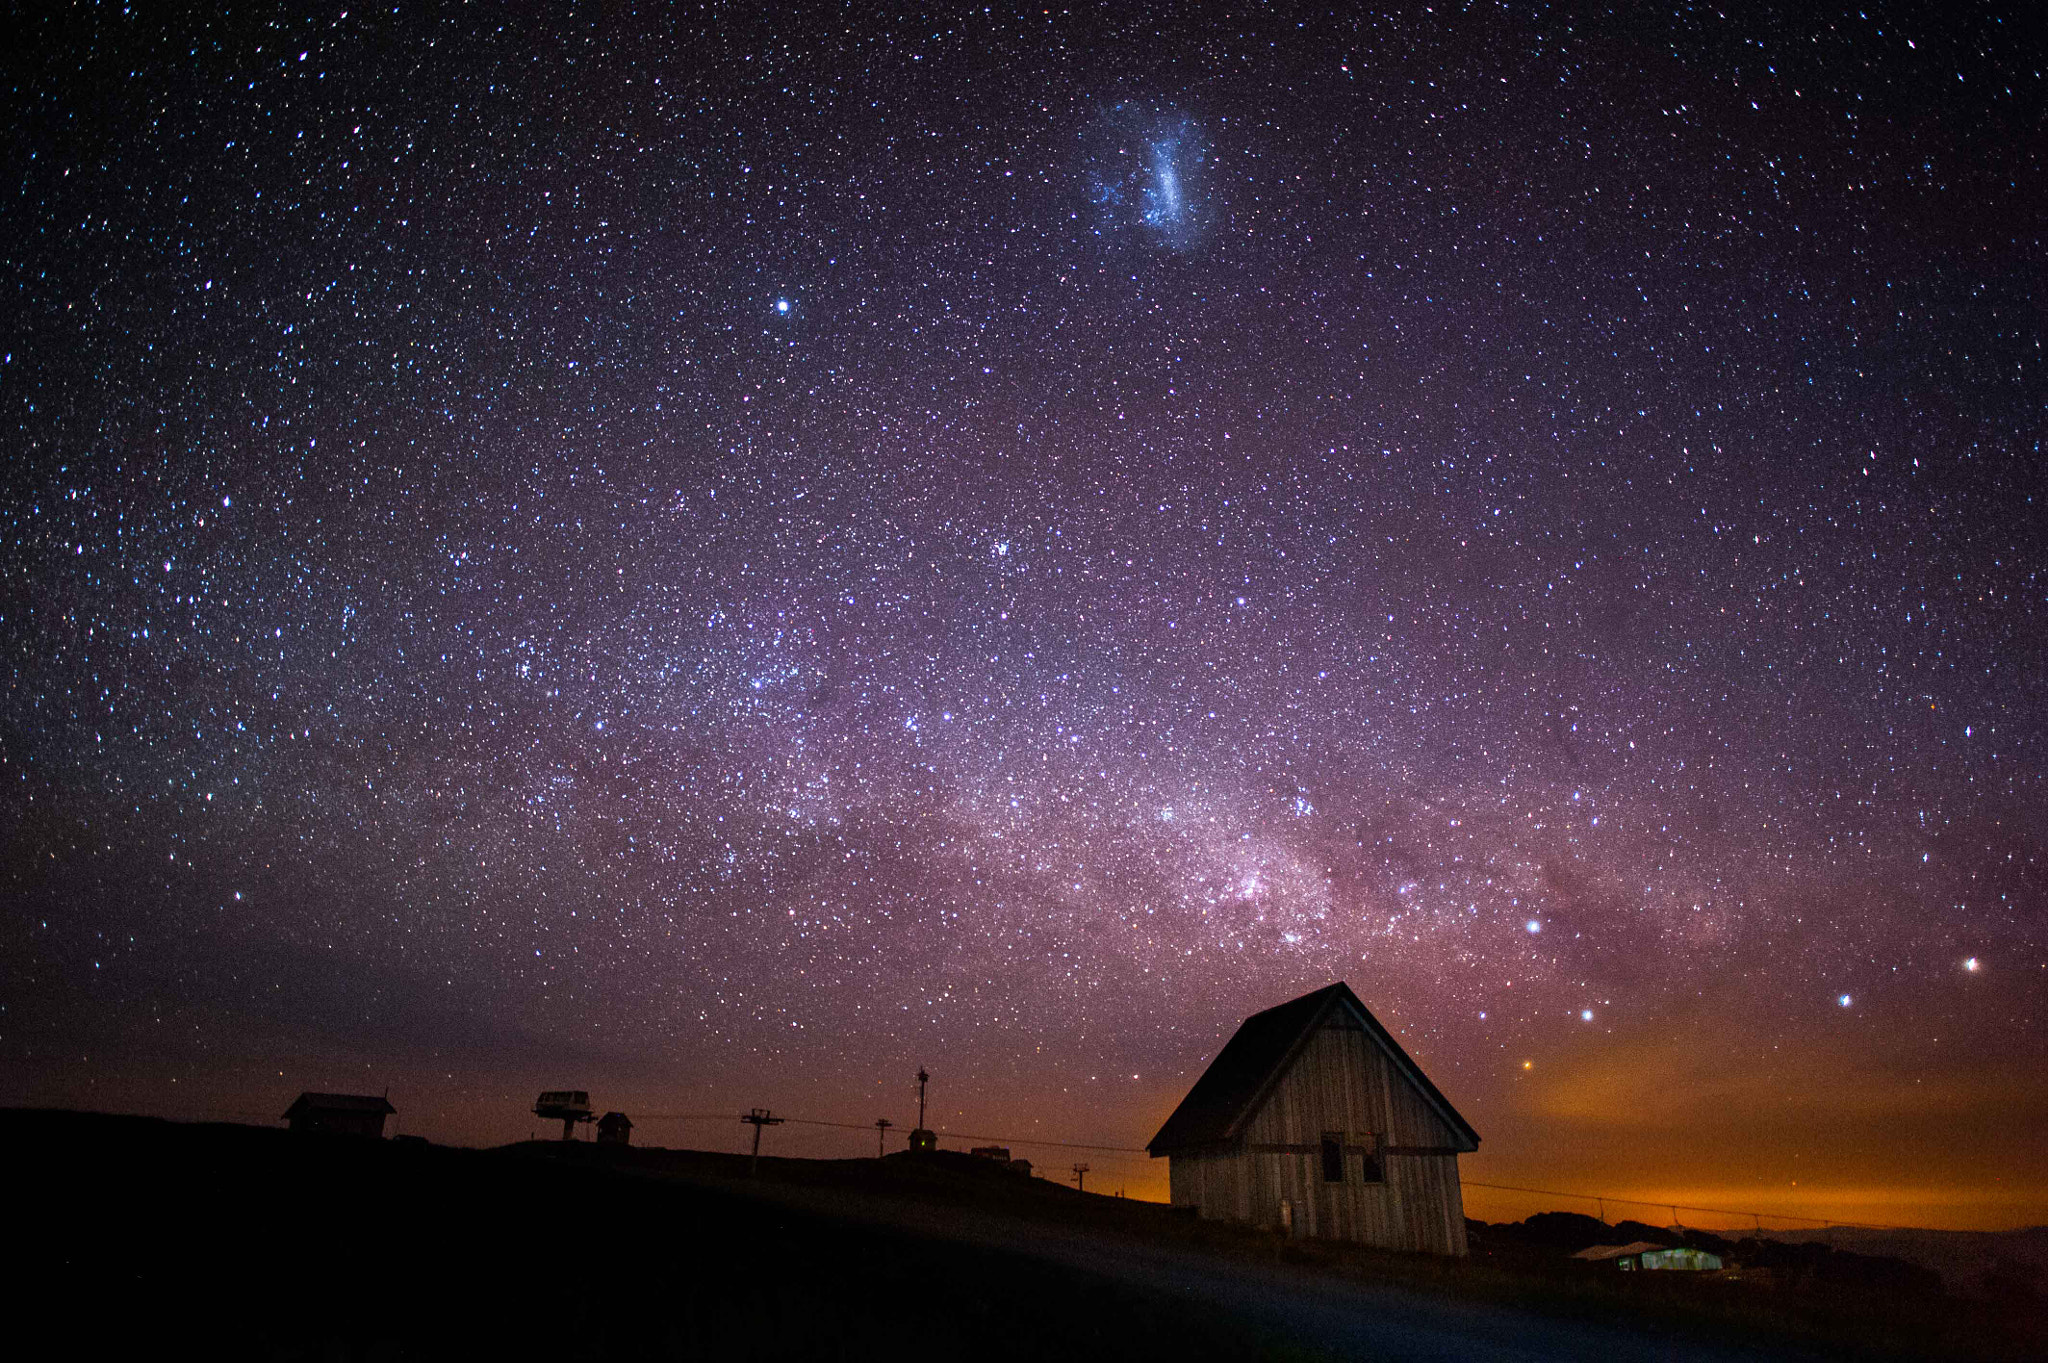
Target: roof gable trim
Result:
[1212, 1111]
[1460, 1129]
[1280, 1068]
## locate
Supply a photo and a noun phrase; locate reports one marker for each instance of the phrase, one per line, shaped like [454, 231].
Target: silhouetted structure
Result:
[345, 1114]
[921, 1138]
[567, 1106]
[1314, 1119]
[882, 1125]
[757, 1119]
[1642, 1254]
[995, 1152]
[615, 1128]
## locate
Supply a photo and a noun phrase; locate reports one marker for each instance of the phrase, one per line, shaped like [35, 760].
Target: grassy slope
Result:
[241, 1242]
[274, 1246]
[1983, 1264]
[1833, 1320]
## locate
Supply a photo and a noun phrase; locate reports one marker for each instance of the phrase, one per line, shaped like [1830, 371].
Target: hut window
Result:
[1369, 1158]
[1333, 1157]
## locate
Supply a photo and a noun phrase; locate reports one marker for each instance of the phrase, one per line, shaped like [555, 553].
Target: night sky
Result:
[715, 558]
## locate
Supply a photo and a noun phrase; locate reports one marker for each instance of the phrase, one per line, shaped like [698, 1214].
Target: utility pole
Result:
[922, 1079]
[757, 1119]
[1081, 1177]
[882, 1125]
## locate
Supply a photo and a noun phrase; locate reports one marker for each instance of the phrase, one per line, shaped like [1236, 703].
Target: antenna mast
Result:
[922, 1138]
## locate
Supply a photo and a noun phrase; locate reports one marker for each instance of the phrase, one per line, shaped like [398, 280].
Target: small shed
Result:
[615, 1128]
[1000, 1154]
[1643, 1254]
[347, 1114]
[1314, 1120]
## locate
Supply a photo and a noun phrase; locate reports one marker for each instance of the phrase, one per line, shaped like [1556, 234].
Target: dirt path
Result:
[1334, 1315]
[1350, 1320]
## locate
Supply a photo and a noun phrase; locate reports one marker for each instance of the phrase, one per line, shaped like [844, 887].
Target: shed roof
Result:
[1601, 1252]
[1230, 1090]
[340, 1102]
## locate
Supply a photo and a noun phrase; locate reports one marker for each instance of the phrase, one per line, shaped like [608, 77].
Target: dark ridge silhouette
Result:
[1798, 1265]
[242, 1242]
[148, 1237]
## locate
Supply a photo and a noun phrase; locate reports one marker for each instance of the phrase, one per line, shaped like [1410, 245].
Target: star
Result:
[1297, 518]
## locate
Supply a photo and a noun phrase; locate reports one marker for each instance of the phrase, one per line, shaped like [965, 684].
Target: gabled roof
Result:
[1604, 1252]
[340, 1102]
[1231, 1089]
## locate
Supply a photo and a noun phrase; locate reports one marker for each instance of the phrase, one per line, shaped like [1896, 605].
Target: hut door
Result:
[1331, 1190]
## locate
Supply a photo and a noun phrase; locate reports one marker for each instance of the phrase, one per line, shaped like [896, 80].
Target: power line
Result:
[1596, 1198]
[1599, 1199]
[869, 1126]
[1063, 1145]
[968, 1136]
[1676, 1207]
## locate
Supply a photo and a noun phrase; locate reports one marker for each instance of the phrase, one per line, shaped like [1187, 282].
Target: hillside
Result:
[263, 1244]
[270, 1245]
[1992, 1265]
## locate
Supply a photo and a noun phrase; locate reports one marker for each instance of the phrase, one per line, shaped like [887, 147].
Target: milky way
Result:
[737, 559]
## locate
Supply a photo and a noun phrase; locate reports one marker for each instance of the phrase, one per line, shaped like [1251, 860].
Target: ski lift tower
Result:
[567, 1106]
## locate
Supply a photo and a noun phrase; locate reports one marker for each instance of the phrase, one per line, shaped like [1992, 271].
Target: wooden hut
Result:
[1646, 1254]
[1314, 1120]
[348, 1114]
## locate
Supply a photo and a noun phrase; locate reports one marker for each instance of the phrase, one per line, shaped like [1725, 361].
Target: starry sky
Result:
[716, 557]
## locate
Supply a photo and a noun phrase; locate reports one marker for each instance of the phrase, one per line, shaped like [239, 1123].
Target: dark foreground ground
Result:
[145, 1238]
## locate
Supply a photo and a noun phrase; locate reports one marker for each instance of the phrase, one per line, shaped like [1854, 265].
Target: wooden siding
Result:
[1339, 1082]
